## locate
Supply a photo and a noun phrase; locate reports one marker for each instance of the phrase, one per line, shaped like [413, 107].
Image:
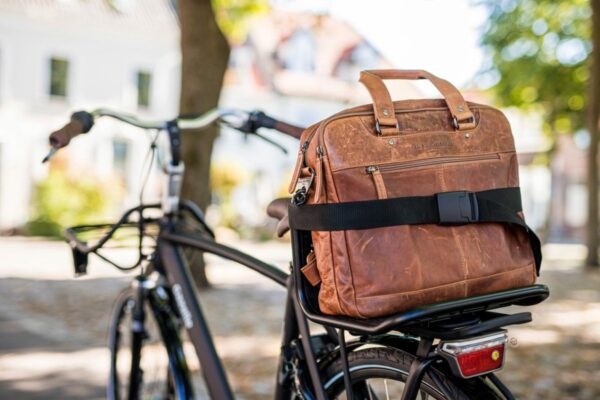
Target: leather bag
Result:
[411, 202]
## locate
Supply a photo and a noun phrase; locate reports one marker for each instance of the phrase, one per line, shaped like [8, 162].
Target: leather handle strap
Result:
[385, 118]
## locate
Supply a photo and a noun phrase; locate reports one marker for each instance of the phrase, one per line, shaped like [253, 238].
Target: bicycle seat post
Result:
[174, 171]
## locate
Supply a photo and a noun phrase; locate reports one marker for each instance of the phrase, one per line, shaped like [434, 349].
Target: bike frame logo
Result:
[186, 315]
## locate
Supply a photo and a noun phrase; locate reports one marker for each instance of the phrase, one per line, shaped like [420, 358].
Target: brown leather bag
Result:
[438, 183]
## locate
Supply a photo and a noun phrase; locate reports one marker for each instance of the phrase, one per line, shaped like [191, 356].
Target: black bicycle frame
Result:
[172, 263]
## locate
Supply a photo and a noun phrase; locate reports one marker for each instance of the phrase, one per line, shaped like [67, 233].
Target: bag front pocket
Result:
[377, 171]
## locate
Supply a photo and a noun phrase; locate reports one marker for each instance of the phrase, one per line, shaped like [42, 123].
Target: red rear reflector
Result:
[474, 356]
[481, 361]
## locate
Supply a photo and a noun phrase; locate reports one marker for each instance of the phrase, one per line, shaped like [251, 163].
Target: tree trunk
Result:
[204, 56]
[593, 116]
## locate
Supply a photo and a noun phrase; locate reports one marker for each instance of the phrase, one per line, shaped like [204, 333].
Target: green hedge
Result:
[60, 201]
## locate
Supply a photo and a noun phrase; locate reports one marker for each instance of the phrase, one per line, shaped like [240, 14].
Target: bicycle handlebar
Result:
[82, 121]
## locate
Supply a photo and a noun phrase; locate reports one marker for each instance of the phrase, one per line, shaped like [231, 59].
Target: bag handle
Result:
[386, 123]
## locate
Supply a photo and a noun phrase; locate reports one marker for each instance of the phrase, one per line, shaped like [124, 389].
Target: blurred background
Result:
[298, 61]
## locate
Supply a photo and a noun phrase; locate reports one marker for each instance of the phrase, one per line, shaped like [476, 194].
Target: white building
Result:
[57, 56]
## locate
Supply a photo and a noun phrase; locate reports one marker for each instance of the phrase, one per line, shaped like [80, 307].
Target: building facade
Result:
[57, 56]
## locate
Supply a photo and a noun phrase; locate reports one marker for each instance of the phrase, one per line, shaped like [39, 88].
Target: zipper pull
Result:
[304, 146]
[300, 162]
[319, 174]
[378, 179]
[300, 196]
[371, 169]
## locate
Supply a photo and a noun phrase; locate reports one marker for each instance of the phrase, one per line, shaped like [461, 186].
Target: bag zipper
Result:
[300, 163]
[319, 175]
[431, 161]
[376, 170]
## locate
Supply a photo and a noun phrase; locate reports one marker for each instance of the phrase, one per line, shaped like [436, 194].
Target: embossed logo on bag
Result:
[440, 144]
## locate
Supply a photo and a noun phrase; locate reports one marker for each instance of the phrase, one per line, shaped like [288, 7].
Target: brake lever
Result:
[245, 124]
[272, 142]
[50, 154]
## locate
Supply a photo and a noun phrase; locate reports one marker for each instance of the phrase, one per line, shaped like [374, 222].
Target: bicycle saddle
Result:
[278, 209]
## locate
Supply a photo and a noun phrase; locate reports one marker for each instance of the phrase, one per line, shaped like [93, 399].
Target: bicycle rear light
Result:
[476, 356]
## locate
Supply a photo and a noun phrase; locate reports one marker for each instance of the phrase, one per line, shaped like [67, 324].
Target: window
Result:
[120, 155]
[59, 74]
[144, 80]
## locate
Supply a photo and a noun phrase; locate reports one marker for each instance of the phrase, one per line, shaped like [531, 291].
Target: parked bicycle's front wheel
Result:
[146, 353]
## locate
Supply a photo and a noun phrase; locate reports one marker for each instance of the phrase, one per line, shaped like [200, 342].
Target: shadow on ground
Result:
[53, 335]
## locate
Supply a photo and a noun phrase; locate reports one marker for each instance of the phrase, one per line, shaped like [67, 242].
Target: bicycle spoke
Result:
[370, 392]
[387, 392]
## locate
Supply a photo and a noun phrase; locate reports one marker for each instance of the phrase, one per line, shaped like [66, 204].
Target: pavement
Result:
[53, 327]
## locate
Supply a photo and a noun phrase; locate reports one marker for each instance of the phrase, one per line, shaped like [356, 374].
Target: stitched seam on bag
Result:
[369, 111]
[351, 277]
[409, 132]
[335, 285]
[448, 284]
[330, 235]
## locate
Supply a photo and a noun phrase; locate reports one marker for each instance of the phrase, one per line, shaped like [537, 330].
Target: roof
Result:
[308, 55]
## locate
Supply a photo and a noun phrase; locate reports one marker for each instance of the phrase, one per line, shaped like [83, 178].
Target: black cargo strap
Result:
[450, 208]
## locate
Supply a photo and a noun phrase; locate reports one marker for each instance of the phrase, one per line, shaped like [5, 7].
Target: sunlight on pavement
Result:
[37, 371]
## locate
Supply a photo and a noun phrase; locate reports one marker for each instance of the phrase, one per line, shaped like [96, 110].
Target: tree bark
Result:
[204, 57]
[593, 116]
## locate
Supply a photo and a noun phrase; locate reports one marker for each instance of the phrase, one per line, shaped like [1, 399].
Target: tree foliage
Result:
[538, 55]
[233, 16]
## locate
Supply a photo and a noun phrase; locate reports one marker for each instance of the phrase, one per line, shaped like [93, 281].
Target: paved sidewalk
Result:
[35, 367]
[53, 327]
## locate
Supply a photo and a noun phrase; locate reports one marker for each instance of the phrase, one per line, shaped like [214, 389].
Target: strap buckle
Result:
[455, 123]
[456, 208]
[378, 127]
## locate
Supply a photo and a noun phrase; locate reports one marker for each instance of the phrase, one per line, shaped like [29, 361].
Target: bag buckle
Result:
[456, 123]
[378, 126]
[457, 208]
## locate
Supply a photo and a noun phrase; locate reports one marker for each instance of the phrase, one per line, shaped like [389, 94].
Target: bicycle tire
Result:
[135, 354]
[391, 364]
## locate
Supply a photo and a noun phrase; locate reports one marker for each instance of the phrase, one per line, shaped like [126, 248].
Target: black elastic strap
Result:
[496, 205]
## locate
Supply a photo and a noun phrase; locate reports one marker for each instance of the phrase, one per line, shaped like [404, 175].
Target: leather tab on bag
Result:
[379, 184]
[310, 271]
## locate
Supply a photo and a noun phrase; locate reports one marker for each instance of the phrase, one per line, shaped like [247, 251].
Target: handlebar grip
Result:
[81, 122]
[259, 119]
[288, 129]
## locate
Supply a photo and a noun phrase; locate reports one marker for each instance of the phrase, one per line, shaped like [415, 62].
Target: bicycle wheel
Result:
[140, 366]
[380, 373]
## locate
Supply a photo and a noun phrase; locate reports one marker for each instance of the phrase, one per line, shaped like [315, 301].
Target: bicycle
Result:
[448, 350]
